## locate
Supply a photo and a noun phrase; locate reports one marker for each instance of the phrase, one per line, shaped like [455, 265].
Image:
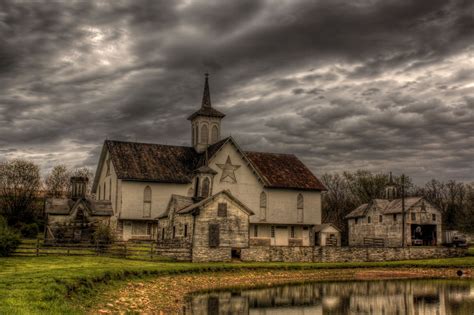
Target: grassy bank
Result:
[33, 285]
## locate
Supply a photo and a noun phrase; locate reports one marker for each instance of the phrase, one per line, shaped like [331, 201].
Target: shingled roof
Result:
[63, 206]
[152, 162]
[384, 206]
[175, 164]
[284, 171]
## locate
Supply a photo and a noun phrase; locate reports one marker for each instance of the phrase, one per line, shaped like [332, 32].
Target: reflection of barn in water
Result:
[356, 297]
[75, 219]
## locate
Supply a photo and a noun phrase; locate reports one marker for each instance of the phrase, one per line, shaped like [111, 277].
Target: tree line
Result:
[348, 190]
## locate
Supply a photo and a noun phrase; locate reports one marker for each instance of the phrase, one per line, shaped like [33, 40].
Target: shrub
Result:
[29, 230]
[9, 240]
[104, 235]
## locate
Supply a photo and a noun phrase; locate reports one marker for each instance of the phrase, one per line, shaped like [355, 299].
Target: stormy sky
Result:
[380, 85]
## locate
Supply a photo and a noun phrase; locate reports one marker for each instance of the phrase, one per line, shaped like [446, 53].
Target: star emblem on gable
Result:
[228, 171]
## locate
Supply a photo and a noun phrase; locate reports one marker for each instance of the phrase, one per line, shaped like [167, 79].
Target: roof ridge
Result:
[276, 153]
[149, 143]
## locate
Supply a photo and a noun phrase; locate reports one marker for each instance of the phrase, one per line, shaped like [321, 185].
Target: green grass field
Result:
[39, 285]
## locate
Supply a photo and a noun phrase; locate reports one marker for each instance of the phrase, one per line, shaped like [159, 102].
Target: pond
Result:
[417, 297]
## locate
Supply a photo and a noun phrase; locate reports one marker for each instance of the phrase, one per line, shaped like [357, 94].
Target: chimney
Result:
[78, 187]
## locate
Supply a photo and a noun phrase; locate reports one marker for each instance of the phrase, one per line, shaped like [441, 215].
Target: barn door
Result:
[214, 235]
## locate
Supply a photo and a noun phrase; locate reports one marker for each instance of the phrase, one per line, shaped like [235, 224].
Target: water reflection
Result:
[417, 297]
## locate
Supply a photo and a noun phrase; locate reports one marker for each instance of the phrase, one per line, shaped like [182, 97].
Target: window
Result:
[222, 209]
[204, 134]
[272, 231]
[105, 190]
[300, 208]
[107, 173]
[394, 217]
[214, 134]
[98, 198]
[196, 187]
[205, 188]
[292, 232]
[147, 202]
[139, 228]
[214, 235]
[263, 206]
[413, 216]
[174, 231]
[433, 216]
[356, 220]
[185, 230]
[369, 219]
[380, 218]
[163, 233]
[193, 136]
[110, 189]
[255, 231]
[149, 226]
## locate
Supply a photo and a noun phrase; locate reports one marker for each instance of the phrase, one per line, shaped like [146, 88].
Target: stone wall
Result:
[345, 254]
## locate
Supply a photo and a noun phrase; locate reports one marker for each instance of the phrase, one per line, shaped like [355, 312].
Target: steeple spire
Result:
[391, 190]
[206, 97]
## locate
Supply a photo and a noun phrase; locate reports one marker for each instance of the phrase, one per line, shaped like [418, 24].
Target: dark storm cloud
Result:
[373, 84]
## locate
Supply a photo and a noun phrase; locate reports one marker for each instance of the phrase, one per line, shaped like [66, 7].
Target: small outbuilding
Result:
[327, 235]
[75, 219]
[213, 229]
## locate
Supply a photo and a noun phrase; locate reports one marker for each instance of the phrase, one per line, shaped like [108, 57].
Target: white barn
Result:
[139, 180]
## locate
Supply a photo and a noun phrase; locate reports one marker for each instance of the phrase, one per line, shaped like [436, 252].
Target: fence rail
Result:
[132, 250]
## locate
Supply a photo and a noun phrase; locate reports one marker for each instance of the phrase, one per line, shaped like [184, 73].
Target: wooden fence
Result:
[374, 242]
[131, 250]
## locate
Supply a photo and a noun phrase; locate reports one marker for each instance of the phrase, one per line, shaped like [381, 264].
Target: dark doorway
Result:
[235, 253]
[423, 234]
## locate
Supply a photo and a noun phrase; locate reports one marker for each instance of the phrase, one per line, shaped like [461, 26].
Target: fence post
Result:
[151, 251]
[37, 247]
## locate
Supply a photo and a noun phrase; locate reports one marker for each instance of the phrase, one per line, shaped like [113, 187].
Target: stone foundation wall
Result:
[345, 254]
[207, 254]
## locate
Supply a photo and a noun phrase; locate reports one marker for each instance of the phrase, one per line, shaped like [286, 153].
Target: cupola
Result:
[205, 122]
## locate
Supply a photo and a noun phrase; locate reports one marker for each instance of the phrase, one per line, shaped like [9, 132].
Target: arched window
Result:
[110, 189]
[263, 206]
[98, 193]
[147, 202]
[300, 207]
[214, 134]
[204, 134]
[105, 190]
[197, 134]
[205, 187]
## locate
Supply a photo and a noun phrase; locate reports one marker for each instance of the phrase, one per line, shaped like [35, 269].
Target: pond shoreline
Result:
[167, 294]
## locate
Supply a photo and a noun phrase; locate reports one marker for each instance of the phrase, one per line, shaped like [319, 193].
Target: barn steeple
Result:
[206, 96]
[205, 122]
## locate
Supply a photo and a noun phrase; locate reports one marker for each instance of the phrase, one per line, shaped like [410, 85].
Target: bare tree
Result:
[19, 186]
[57, 182]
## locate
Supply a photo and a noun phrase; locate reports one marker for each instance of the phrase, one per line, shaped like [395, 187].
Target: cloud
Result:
[342, 84]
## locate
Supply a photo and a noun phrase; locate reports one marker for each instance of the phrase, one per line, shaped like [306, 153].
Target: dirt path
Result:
[165, 294]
